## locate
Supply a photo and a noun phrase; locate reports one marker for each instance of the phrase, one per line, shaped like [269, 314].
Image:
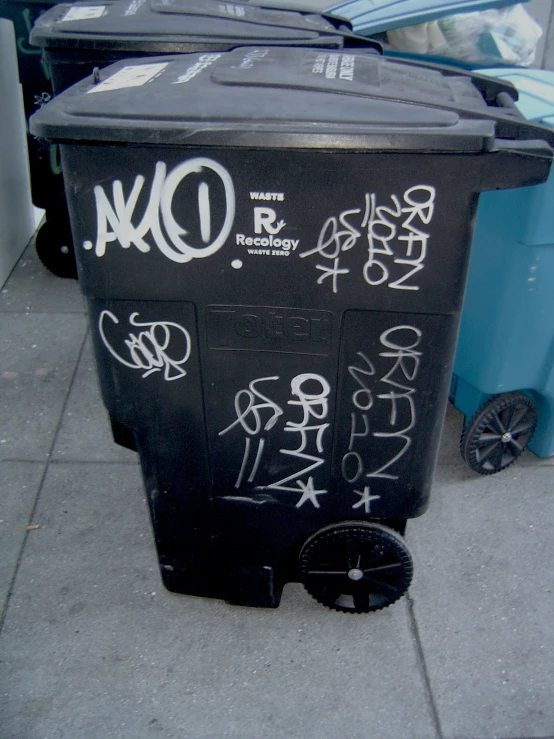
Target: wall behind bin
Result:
[541, 10]
[17, 219]
[547, 24]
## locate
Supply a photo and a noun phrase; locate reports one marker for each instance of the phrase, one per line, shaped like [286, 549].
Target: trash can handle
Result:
[355, 41]
[506, 101]
[360, 42]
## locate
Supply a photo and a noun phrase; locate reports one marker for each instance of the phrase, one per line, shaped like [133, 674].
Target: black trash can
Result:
[34, 75]
[78, 37]
[273, 245]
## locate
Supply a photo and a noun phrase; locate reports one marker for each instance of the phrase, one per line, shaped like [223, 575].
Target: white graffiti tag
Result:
[252, 410]
[315, 407]
[151, 350]
[256, 413]
[396, 243]
[399, 344]
[115, 222]
[403, 371]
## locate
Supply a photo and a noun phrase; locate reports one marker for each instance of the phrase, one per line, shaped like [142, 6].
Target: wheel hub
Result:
[355, 574]
[499, 433]
[356, 567]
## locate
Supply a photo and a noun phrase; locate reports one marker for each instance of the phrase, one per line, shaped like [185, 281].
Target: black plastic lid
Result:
[140, 25]
[280, 97]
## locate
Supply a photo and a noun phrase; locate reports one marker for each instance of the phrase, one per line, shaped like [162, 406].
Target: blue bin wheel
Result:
[356, 567]
[498, 433]
[54, 246]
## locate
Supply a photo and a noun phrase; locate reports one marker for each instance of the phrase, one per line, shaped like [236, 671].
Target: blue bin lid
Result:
[374, 16]
[536, 91]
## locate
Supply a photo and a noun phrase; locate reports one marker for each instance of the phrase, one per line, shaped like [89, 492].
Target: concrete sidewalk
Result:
[93, 646]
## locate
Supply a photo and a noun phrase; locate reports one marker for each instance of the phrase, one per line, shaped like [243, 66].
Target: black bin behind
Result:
[273, 245]
[76, 38]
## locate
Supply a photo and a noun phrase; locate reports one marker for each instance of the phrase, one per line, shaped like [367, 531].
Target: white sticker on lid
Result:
[231, 9]
[84, 12]
[134, 6]
[131, 76]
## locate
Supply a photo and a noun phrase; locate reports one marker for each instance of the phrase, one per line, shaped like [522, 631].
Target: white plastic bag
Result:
[506, 36]
[424, 38]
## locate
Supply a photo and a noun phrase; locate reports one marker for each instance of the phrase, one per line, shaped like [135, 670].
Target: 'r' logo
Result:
[264, 219]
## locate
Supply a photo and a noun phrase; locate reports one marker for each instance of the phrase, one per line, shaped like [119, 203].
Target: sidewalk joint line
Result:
[6, 603]
[420, 657]
[23, 461]
[70, 461]
[130, 462]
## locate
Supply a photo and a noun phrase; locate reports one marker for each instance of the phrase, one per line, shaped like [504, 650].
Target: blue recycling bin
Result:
[503, 378]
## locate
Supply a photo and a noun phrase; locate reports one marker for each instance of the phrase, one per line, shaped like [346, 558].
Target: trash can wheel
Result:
[356, 567]
[498, 433]
[54, 246]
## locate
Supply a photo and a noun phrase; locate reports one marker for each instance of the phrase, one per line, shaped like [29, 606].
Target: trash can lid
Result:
[375, 16]
[535, 88]
[141, 25]
[280, 97]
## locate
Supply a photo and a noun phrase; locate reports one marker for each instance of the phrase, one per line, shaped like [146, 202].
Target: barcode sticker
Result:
[132, 76]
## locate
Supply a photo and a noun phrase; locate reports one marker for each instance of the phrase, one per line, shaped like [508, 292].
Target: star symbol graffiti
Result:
[365, 498]
[309, 493]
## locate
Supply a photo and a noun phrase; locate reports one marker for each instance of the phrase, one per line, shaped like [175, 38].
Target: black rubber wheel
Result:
[54, 246]
[498, 433]
[356, 567]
